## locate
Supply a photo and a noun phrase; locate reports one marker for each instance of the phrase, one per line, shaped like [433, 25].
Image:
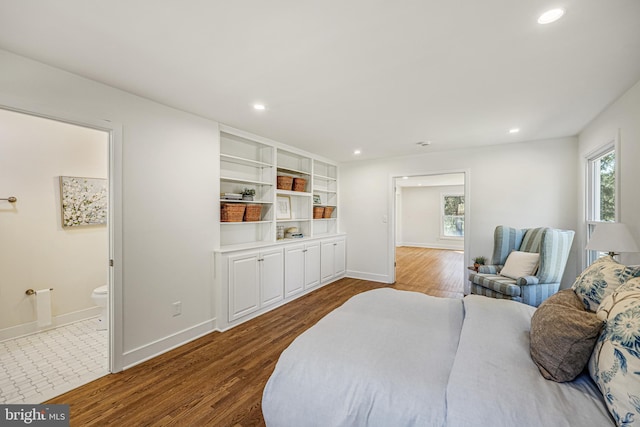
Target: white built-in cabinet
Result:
[302, 267]
[254, 270]
[256, 280]
[333, 255]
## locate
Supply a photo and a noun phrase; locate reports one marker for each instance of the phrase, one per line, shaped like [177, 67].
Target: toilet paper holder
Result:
[32, 292]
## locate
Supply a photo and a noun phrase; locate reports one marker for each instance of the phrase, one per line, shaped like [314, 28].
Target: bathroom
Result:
[63, 328]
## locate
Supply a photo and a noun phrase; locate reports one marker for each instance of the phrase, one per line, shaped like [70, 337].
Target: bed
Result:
[399, 358]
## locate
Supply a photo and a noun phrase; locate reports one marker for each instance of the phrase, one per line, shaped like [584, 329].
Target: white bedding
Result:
[375, 361]
[392, 358]
[494, 382]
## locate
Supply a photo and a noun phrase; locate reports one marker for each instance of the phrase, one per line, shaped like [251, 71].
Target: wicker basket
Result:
[285, 182]
[318, 211]
[252, 213]
[328, 210]
[299, 184]
[231, 212]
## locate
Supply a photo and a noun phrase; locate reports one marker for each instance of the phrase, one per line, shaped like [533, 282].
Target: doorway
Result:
[52, 258]
[428, 232]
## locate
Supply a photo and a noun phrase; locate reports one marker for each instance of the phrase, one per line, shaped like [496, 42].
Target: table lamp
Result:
[612, 237]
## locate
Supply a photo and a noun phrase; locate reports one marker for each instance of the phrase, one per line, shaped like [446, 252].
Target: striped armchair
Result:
[553, 246]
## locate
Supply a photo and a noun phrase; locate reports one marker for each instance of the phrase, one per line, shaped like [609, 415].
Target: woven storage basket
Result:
[285, 182]
[318, 211]
[299, 184]
[252, 213]
[327, 212]
[231, 212]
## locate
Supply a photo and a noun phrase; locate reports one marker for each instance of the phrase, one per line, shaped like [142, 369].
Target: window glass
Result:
[601, 192]
[453, 216]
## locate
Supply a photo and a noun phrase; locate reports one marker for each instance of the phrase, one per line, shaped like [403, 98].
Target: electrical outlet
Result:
[177, 308]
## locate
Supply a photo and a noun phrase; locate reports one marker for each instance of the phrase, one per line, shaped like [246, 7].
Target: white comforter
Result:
[397, 358]
[375, 361]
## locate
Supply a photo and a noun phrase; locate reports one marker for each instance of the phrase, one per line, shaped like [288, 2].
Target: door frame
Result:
[391, 248]
[114, 222]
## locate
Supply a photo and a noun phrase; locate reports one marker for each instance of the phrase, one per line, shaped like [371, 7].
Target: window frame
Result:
[592, 191]
[443, 236]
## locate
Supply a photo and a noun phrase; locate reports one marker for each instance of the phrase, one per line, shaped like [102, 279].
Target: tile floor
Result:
[38, 367]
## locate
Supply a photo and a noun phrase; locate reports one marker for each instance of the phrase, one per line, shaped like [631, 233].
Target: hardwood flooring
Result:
[218, 379]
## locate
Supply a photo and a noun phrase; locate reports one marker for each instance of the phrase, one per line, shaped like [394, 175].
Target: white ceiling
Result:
[339, 75]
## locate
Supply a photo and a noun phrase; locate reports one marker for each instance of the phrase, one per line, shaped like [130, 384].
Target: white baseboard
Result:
[432, 246]
[163, 345]
[383, 278]
[63, 319]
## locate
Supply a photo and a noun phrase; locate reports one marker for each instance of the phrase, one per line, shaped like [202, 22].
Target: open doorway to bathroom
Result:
[54, 252]
[429, 233]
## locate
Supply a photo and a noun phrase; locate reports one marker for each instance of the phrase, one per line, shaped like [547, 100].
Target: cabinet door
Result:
[244, 284]
[272, 276]
[312, 265]
[294, 271]
[340, 257]
[327, 261]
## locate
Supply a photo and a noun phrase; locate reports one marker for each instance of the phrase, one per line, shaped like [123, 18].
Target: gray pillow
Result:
[563, 335]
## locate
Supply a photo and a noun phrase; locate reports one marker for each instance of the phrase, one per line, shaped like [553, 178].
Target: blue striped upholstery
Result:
[553, 246]
[506, 239]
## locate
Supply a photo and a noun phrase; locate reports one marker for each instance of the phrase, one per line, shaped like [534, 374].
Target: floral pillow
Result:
[615, 361]
[600, 279]
[630, 285]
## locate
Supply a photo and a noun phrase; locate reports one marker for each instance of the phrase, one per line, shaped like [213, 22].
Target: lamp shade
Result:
[612, 237]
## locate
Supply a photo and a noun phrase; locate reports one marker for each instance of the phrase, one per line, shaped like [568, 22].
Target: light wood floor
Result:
[218, 380]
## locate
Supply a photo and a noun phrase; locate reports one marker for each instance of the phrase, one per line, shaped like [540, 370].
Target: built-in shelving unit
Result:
[255, 270]
[325, 197]
[246, 164]
[251, 162]
[298, 167]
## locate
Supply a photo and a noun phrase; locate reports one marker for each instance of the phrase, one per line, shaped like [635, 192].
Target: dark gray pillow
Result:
[563, 335]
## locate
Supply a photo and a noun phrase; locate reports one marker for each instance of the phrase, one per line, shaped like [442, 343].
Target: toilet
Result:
[100, 296]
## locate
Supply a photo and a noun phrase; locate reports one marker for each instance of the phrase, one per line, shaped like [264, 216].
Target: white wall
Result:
[169, 170]
[622, 117]
[35, 250]
[419, 212]
[522, 185]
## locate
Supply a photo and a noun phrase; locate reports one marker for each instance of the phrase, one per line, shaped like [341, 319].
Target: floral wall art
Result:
[84, 201]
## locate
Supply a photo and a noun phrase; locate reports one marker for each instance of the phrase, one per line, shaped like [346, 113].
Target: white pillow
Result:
[520, 264]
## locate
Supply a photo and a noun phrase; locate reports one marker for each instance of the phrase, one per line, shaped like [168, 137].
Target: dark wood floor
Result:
[218, 379]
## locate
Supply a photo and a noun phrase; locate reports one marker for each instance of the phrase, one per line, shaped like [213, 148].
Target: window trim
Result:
[442, 215]
[592, 181]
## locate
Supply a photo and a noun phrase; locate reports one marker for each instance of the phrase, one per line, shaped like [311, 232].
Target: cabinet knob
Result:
[304, 250]
[260, 259]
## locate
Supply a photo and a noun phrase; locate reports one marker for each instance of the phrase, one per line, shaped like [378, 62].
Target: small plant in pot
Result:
[248, 193]
[478, 261]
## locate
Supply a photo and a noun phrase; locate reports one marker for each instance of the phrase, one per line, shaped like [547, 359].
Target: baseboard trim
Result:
[149, 351]
[57, 321]
[383, 278]
[432, 246]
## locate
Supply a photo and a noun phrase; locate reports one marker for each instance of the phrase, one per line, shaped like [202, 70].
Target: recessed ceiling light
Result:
[550, 16]
[405, 177]
[259, 107]
[356, 152]
[514, 130]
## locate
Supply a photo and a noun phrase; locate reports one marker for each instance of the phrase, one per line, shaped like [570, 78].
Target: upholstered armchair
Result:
[552, 245]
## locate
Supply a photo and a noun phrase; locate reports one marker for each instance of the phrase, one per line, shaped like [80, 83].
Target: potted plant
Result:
[478, 261]
[248, 193]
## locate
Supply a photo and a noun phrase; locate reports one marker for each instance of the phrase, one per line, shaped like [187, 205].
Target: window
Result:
[601, 188]
[452, 215]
